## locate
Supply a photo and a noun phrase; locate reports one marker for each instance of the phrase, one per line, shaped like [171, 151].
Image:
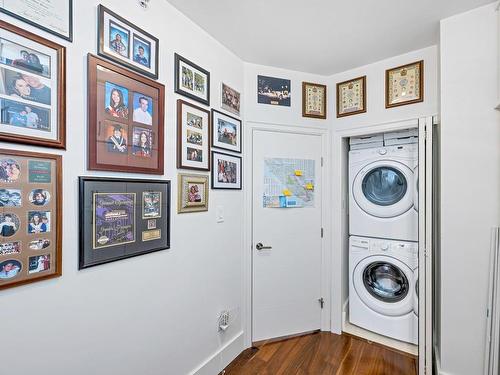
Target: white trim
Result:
[326, 248]
[222, 357]
[338, 212]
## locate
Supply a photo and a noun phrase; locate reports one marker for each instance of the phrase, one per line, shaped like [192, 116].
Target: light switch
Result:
[219, 213]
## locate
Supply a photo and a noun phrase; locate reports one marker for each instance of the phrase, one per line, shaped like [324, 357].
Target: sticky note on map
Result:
[298, 172]
[309, 186]
[287, 193]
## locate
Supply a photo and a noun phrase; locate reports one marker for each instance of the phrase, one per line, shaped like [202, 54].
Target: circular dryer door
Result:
[384, 188]
[415, 189]
[385, 285]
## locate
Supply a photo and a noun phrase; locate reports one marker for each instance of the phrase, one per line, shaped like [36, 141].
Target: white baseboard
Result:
[222, 357]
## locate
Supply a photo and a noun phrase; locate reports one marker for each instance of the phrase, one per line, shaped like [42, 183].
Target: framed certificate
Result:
[52, 16]
[351, 97]
[313, 100]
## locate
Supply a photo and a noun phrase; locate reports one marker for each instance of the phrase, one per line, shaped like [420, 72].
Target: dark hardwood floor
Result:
[322, 353]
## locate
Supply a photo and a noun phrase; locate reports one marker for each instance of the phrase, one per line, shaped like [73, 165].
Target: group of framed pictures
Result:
[198, 131]
[403, 85]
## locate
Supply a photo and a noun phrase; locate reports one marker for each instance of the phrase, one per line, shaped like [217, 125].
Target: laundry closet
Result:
[383, 236]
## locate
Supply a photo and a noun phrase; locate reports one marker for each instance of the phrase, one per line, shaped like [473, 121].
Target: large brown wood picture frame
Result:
[121, 137]
[33, 246]
[38, 131]
[340, 113]
[419, 84]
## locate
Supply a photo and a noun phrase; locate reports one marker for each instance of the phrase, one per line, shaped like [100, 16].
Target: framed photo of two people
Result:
[121, 41]
[32, 89]
[126, 119]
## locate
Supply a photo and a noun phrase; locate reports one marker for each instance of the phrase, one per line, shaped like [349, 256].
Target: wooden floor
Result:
[322, 353]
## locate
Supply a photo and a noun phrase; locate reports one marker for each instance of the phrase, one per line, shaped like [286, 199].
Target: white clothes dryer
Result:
[382, 287]
[382, 195]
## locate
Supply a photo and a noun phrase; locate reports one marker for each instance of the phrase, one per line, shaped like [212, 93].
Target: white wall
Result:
[154, 314]
[375, 91]
[470, 183]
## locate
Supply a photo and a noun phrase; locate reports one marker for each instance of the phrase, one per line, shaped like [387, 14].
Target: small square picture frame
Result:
[192, 193]
[404, 84]
[226, 171]
[351, 97]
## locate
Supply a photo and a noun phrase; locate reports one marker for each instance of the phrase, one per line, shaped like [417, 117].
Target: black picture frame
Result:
[215, 143]
[89, 254]
[102, 10]
[177, 88]
[41, 27]
[214, 180]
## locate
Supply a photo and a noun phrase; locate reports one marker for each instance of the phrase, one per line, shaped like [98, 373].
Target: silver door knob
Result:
[259, 246]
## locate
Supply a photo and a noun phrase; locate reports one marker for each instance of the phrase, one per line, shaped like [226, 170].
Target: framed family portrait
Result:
[32, 89]
[52, 16]
[191, 80]
[351, 97]
[230, 99]
[193, 133]
[122, 218]
[226, 171]
[126, 119]
[30, 217]
[313, 100]
[404, 85]
[274, 91]
[193, 193]
[226, 131]
[123, 42]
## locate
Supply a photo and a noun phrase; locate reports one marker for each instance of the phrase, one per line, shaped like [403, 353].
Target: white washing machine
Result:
[382, 287]
[382, 196]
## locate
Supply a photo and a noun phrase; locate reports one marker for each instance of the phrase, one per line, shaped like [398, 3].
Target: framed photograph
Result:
[275, 91]
[230, 99]
[122, 218]
[30, 218]
[123, 42]
[226, 132]
[193, 133]
[126, 119]
[193, 193]
[54, 16]
[226, 171]
[404, 85]
[32, 89]
[191, 80]
[351, 97]
[313, 100]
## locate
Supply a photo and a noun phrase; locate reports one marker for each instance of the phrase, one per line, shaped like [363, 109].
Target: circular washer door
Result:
[385, 285]
[415, 294]
[384, 188]
[415, 189]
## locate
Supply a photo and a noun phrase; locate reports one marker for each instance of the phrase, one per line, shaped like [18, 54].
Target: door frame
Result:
[326, 248]
[340, 228]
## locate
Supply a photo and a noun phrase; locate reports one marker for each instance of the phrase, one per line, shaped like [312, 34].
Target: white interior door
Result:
[286, 277]
[425, 228]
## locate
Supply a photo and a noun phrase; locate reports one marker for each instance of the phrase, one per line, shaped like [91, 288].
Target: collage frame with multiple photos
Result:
[154, 230]
[135, 158]
[34, 172]
[144, 40]
[36, 75]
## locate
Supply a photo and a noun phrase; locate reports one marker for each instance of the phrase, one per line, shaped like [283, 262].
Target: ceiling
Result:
[322, 36]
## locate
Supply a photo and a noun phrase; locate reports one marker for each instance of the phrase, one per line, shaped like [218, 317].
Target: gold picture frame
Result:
[192, 193]
[351, 97]
[313, 100]
[404, 84]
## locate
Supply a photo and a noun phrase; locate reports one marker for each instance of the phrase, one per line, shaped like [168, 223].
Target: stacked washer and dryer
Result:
[383, 228]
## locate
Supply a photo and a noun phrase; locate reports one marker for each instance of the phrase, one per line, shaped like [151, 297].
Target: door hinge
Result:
[321, 302]
[322, 232]
[322, 161]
